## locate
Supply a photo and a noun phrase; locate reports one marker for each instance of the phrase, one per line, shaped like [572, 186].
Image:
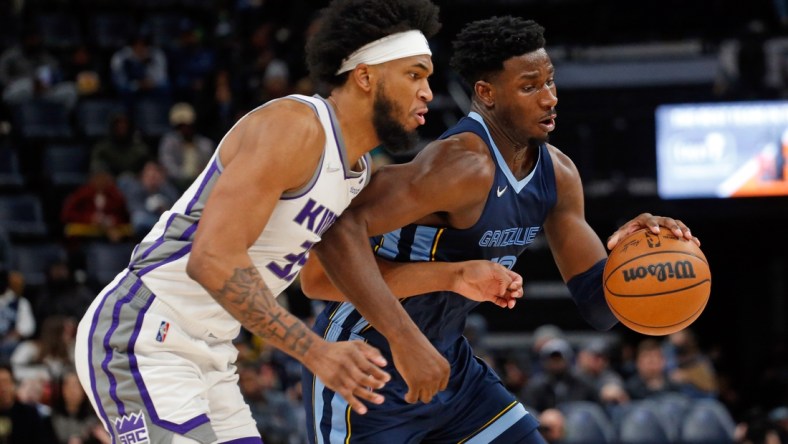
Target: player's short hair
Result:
[482, 46]
[347, 25]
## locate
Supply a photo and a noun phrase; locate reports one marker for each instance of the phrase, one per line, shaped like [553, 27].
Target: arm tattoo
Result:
[249, 300]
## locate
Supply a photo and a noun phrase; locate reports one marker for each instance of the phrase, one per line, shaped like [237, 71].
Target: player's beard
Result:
[393, 136]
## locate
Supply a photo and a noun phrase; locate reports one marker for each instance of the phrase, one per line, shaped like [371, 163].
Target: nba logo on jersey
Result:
[131, 429]
[162, 334]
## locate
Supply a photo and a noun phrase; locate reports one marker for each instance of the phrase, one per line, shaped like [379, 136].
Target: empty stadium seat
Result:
[707, 422]
[111, 31]
[105, 260]
[93, 116]
[586, 423]
[642, 424]
[152, 117]
[66, 165]
[22, 215]
[60, 31]
[41, 119]
[10, 174]
[34, 260]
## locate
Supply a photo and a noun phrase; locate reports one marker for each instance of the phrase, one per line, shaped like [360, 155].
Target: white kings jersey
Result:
[296, 224]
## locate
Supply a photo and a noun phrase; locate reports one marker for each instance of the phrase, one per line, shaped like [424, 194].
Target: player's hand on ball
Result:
[648, 220]
[485, 281]
[353, 370]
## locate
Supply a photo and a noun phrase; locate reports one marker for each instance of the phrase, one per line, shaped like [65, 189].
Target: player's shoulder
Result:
[563, 165]
[289, 114]
[465, 150]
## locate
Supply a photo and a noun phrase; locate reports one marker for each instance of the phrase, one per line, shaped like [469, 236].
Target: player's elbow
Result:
[200, 263]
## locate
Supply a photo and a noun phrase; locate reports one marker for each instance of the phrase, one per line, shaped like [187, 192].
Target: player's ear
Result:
[484, 92]
[362, 75]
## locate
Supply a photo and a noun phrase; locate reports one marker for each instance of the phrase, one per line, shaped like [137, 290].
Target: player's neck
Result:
[354, 117]
[519, 157]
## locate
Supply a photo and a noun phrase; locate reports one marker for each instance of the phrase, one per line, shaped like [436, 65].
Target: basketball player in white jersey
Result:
[154, 350]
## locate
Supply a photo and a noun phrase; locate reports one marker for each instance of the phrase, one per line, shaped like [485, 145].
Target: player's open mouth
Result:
[420, 116]
[548, 124]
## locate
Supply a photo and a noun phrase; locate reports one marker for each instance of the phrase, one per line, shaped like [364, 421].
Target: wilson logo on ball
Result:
[665, 270]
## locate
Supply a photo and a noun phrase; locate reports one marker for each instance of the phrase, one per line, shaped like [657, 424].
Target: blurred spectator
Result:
[96, 210]
[276, 81]
[191, 63]
[182, 152]
[779, 417]
[85, 71]
[140, 69]
[28, 71]
[593, 366]
[148, 196]
[651, 377]
[276, 421]
[19, 423]
[542, 335]
[16, 318]
[64, 293]
[557, 383]
[688, 367]
[51, 354]
[73, 419]
[552, 426]
[122, 151]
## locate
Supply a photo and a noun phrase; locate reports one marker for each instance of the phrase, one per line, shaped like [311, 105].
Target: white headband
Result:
[386, 49]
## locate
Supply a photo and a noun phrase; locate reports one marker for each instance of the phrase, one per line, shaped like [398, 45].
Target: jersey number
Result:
[506, 261]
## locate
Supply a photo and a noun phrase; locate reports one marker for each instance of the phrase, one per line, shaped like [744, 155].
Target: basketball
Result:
[656, 284]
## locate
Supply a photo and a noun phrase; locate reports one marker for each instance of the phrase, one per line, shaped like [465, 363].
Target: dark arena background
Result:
[617, 63]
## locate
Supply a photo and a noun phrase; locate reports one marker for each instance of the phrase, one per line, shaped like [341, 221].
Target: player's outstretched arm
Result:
[257, 171]
[478, 280]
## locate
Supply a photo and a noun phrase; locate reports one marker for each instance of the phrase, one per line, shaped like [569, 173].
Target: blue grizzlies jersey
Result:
[512, 217]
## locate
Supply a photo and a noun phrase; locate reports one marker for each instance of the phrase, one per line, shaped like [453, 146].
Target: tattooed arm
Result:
[257, 157]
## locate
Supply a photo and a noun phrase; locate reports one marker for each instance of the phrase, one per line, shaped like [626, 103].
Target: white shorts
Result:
[149, 379]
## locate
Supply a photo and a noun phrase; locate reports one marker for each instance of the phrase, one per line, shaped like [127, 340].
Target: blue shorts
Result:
[475, 407]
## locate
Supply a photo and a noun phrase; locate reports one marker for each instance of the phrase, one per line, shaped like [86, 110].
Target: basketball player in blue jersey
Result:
[154, 350]
[483, 191]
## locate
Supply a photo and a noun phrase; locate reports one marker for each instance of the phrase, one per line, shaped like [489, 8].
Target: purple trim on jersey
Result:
[135, 372]
[113, 383]
[91, 370]
[187, 233]
[250, 440]
[173, 257]
[311, 185]
[214, 167]
[156, 244]
[331, 118]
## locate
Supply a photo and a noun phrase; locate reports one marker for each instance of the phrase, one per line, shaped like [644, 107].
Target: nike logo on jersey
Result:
[500, 190]
[332, 168]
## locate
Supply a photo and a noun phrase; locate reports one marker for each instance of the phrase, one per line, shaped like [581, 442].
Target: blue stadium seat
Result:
[33, 260]
[105, 260]
[152, 116]
[22, 215]
[111, 31]
[673, 408]
[586, 423]
[10, 175]
[93, 116]
[642, 424]
[66, 165]
[60, 31]
[41, 119]
[707, 422]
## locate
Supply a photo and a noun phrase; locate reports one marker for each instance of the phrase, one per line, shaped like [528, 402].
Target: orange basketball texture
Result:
[656, 284]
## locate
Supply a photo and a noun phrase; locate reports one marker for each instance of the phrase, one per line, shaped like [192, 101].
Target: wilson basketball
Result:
[656, 284]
